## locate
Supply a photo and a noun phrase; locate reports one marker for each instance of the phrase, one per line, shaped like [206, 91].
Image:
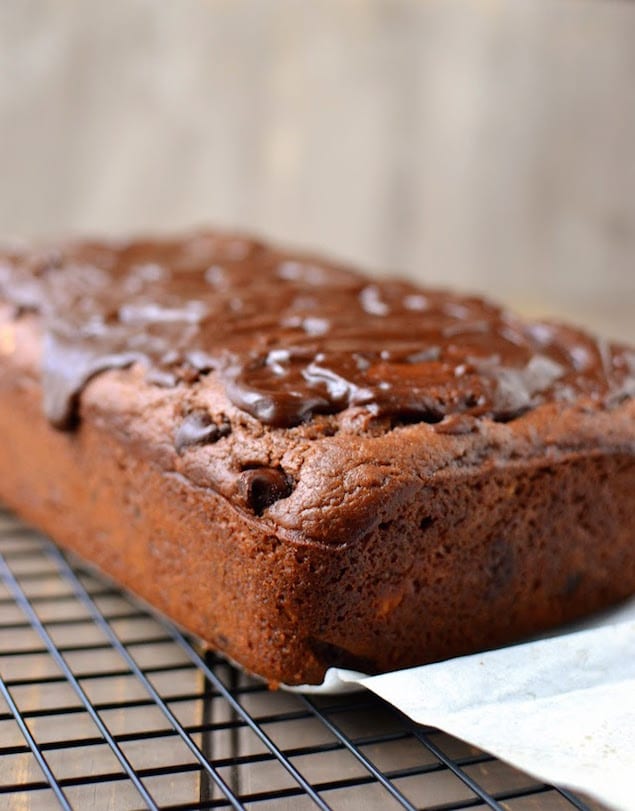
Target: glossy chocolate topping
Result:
[292, 336]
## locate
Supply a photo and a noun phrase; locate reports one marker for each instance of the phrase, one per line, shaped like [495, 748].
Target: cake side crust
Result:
[457, 556]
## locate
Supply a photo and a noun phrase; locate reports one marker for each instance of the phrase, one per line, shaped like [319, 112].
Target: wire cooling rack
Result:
[104, 705]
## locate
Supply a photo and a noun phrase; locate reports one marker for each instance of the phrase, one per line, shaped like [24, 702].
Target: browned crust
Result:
[432, 546]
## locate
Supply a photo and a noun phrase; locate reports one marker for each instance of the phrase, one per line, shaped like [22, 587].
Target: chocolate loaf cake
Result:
[306, 467]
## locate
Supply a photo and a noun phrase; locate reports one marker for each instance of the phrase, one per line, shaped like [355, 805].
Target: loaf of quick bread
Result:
[306, 467]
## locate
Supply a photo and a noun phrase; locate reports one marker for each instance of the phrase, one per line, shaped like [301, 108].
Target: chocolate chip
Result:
[572, 583]
[501, 566]
[426, 522]
[429, 414]
[198, 428]
[261, 487]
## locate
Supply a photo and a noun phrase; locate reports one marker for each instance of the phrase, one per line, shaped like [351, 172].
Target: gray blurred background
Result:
[486, 144]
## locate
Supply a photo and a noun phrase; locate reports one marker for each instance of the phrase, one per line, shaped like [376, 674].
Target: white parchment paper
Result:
[562, 708]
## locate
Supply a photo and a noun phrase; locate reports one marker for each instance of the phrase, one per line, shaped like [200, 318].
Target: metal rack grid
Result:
[104, 705]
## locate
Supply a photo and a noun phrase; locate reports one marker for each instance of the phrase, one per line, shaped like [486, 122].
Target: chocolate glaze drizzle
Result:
[198, 429]
[291, 337]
